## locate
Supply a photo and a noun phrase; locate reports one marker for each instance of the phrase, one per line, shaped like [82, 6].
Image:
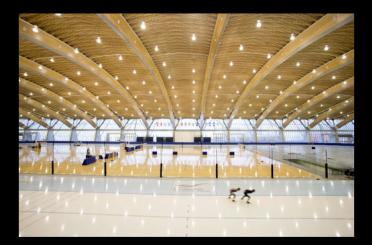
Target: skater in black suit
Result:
[232, 193]
[246, 194]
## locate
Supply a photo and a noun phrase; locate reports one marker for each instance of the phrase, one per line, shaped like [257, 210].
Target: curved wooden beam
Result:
[321, 71]
[331, 111]
[48, 41]
[55, 98]
[345, 121]
[44, 108]
[120, 26]
[21, 125]
[319, 29]
[320, 97]
[219, 28]
[54, 76]
[33, 117]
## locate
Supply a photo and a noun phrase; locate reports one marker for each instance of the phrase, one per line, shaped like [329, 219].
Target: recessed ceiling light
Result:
[326, 48]
[35, 29]
[193, 91]
[232, 100]
[321, 105]
[280, 92]
[213, 105]
[108, 92]
[127, 87]
[100, 66]
[250, 105]
[224, 76]
[159, 109]
[116, 78]
[277, 112]
[338, 96]
[312, 87]
[172, 86]
[25, 74]
[193, 37]
[345, 82]
[219, 86]
[126, 108]
[279, 77]
[156, 48]
[258, 24]
[120, 57]
[51, 84]
[175, 96]
[294, 82]
[135, 96]
[76, 50]
[344, 56]
[324, 92]
[292, 37]
[313, 71]
[237, 91]
[193, 70]
[244, 82]
[347, 101]
[98, 40]
[216, 96]
[266, 87]
[308, 101]
[178, 105]
[298, 64]
[155, 100]
[164, 64]
[193, 108]
[118, 101]
[270, 100]
[268, 56]
[193, 100]
[241, 47]
[58, 14]
[286, 105]
[143, 82]
[308, 112]
[51, 60]
[150, 92]
[333, 77]
[143, 25]
[257, 96]
[78, 73]
[297, 97]
[83, 101]
[193, 81]
[134, 71]
[169, 77]
[254, 71]
[231, 63]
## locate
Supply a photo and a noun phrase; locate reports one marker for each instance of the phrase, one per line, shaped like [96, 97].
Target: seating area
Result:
[89, 160]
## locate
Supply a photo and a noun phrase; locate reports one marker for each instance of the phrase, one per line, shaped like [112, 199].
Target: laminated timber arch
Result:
[52, 75]
[321, 71]
[319, 29]
[55, 98]
[48, 41]
[331, 111]
[33, 117]
[345, 121]
[221, 23]
[46, 109]
[320, 97]
[121, 27]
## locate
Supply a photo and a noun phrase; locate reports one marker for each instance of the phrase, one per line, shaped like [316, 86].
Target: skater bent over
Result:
[246, 194]
[233, 194]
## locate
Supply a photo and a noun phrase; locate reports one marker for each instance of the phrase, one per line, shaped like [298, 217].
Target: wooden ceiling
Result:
[184, 65]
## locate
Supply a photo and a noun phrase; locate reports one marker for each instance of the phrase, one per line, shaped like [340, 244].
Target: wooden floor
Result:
[188, 163]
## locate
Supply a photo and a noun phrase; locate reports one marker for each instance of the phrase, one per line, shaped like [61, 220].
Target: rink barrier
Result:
[190, 143]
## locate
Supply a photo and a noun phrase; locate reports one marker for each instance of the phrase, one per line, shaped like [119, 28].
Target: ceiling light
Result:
[96, 84]
[312, 87]
[241, 48]
[135, 95]
[308, 101]
[270, 100]
[155, 100]
[308, 112]
[159, 109]
[175, 96]
[338, 96]
[345, 82]
[294, 82]
[232, 100]
[254, 71]
[83, 101]
[193, 108]
[279, 77]
[224, 76]
[292, 37]
[178, 105]
[344, 56]
[268, 56]
[333, 77]
[257, 96]
[219, 86]
[143, 82]
[126, 109]
[321, 105]
[58, 15]
[237, 91]
[98, 40]
[193, 81]
[297, 97]
[116, 78]
[156, 48]
[51, 60]
[341, 112]
[51, 84]
[347, 101]
[326, 48]
[164, 64]
[313, 71]
[120, 58]
[250, 105]
[100, 66]
[76, 50]
[127, 87]
[193, 37]
[280, 92]
[118, 101]
[231, 63]
[69, 93]
[213, 105]
[25, 74]
[78, 73]
[134, 71]
[193, 70]
[172, 87]
[193, 100]
[150, 92]
[141, 105]
[49, 102]
[277, 112]
[94, 109]
[258, 24]
[216, 95]
[286, 105]
[169, 77]
[244, 82]
[143, 25]
[35, 29]
[298, 64]
[108, 92]
[193, 91]
[324, 92]
[244, 112]
[266, 87]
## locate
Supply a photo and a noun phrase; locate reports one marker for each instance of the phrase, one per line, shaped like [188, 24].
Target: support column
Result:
[50, 134]
[281, 134]
[97, 136]
[73, 136]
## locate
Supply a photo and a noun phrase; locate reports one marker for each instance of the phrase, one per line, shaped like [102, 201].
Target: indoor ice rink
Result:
[145, 124]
